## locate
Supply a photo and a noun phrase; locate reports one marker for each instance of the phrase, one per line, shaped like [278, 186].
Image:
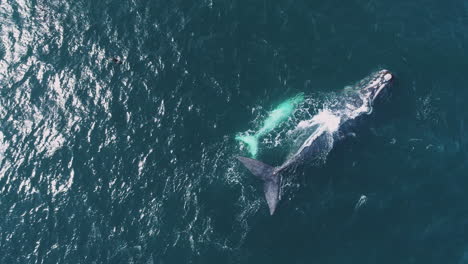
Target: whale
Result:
[275, 118]
[325, 128]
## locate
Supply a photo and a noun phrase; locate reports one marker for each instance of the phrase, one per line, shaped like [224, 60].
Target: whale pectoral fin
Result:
[269, 175]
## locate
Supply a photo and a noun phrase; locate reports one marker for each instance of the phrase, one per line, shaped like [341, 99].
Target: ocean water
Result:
[134, 162]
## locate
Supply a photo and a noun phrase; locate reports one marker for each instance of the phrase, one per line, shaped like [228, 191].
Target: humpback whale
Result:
[352, 103]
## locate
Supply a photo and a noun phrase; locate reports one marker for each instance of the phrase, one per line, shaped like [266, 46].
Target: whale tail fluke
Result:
[251, 142]
[271, 180]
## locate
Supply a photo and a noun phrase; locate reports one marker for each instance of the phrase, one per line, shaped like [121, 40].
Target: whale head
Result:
[375, 84]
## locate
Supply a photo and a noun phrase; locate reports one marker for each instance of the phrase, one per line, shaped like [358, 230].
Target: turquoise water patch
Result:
[275, 118]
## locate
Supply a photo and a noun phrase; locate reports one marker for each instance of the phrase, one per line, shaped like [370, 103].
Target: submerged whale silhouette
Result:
[282, 112]
[354, 103]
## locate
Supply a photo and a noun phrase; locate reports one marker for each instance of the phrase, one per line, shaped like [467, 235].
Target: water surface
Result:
[134, 162]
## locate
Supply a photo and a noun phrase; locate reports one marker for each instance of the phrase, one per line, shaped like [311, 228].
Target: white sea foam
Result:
[329, 120]
[324, 121]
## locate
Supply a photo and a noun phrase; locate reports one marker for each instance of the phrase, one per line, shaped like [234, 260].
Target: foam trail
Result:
[274, 119]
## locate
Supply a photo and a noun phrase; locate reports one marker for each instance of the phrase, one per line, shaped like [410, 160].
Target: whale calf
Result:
[282, 112]
[325, 127]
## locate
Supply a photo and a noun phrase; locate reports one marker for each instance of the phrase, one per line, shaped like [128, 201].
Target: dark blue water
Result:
[102, 162]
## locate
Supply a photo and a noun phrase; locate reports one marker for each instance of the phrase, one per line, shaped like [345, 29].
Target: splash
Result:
[274, 119]
[308, 131]
[326, 119]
